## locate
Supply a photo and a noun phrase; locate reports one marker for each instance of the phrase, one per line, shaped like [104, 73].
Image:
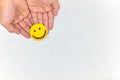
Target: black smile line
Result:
[40, 37]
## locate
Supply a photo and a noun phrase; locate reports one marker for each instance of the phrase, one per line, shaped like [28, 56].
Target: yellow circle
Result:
[38, 32]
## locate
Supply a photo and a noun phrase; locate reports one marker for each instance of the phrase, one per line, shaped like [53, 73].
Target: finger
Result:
[45, 19]
[40, 18]
[22, 31]
[51, 20]
[18, 26]
[10, 28]
[17, 31]
[28, 22]
[56, 7]
[24, 26]
[30, 18]
[35, 18]
[25, 34]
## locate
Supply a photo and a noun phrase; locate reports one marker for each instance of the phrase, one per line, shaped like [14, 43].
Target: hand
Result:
[44, 11]
[15, 16]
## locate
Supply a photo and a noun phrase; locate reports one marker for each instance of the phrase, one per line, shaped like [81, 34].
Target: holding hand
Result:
[44, 11]
[18, 16]
[14, 16]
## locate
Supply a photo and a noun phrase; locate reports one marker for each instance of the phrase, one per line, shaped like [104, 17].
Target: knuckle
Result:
[11, 30]
[58, 7]
[51, 16]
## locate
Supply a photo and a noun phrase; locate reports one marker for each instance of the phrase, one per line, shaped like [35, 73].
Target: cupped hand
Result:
[15, 16]
[18, 16]
[44, 11]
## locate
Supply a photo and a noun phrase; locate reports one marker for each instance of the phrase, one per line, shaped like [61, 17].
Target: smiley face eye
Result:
[34, 30]
[39, 28]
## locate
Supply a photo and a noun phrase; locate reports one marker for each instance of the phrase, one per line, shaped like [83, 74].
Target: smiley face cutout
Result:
[38, 32]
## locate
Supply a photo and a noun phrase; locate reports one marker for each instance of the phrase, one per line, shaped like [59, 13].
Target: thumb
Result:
[56, 7]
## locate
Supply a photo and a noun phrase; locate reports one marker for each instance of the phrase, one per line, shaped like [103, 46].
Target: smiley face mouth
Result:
[41, 36]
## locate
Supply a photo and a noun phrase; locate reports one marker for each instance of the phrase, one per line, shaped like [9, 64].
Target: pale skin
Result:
[17, 16]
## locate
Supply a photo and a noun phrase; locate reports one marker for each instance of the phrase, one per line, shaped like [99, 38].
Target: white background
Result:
[84, 45]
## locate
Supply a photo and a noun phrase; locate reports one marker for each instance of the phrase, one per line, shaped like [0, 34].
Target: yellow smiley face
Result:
[38, 32]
